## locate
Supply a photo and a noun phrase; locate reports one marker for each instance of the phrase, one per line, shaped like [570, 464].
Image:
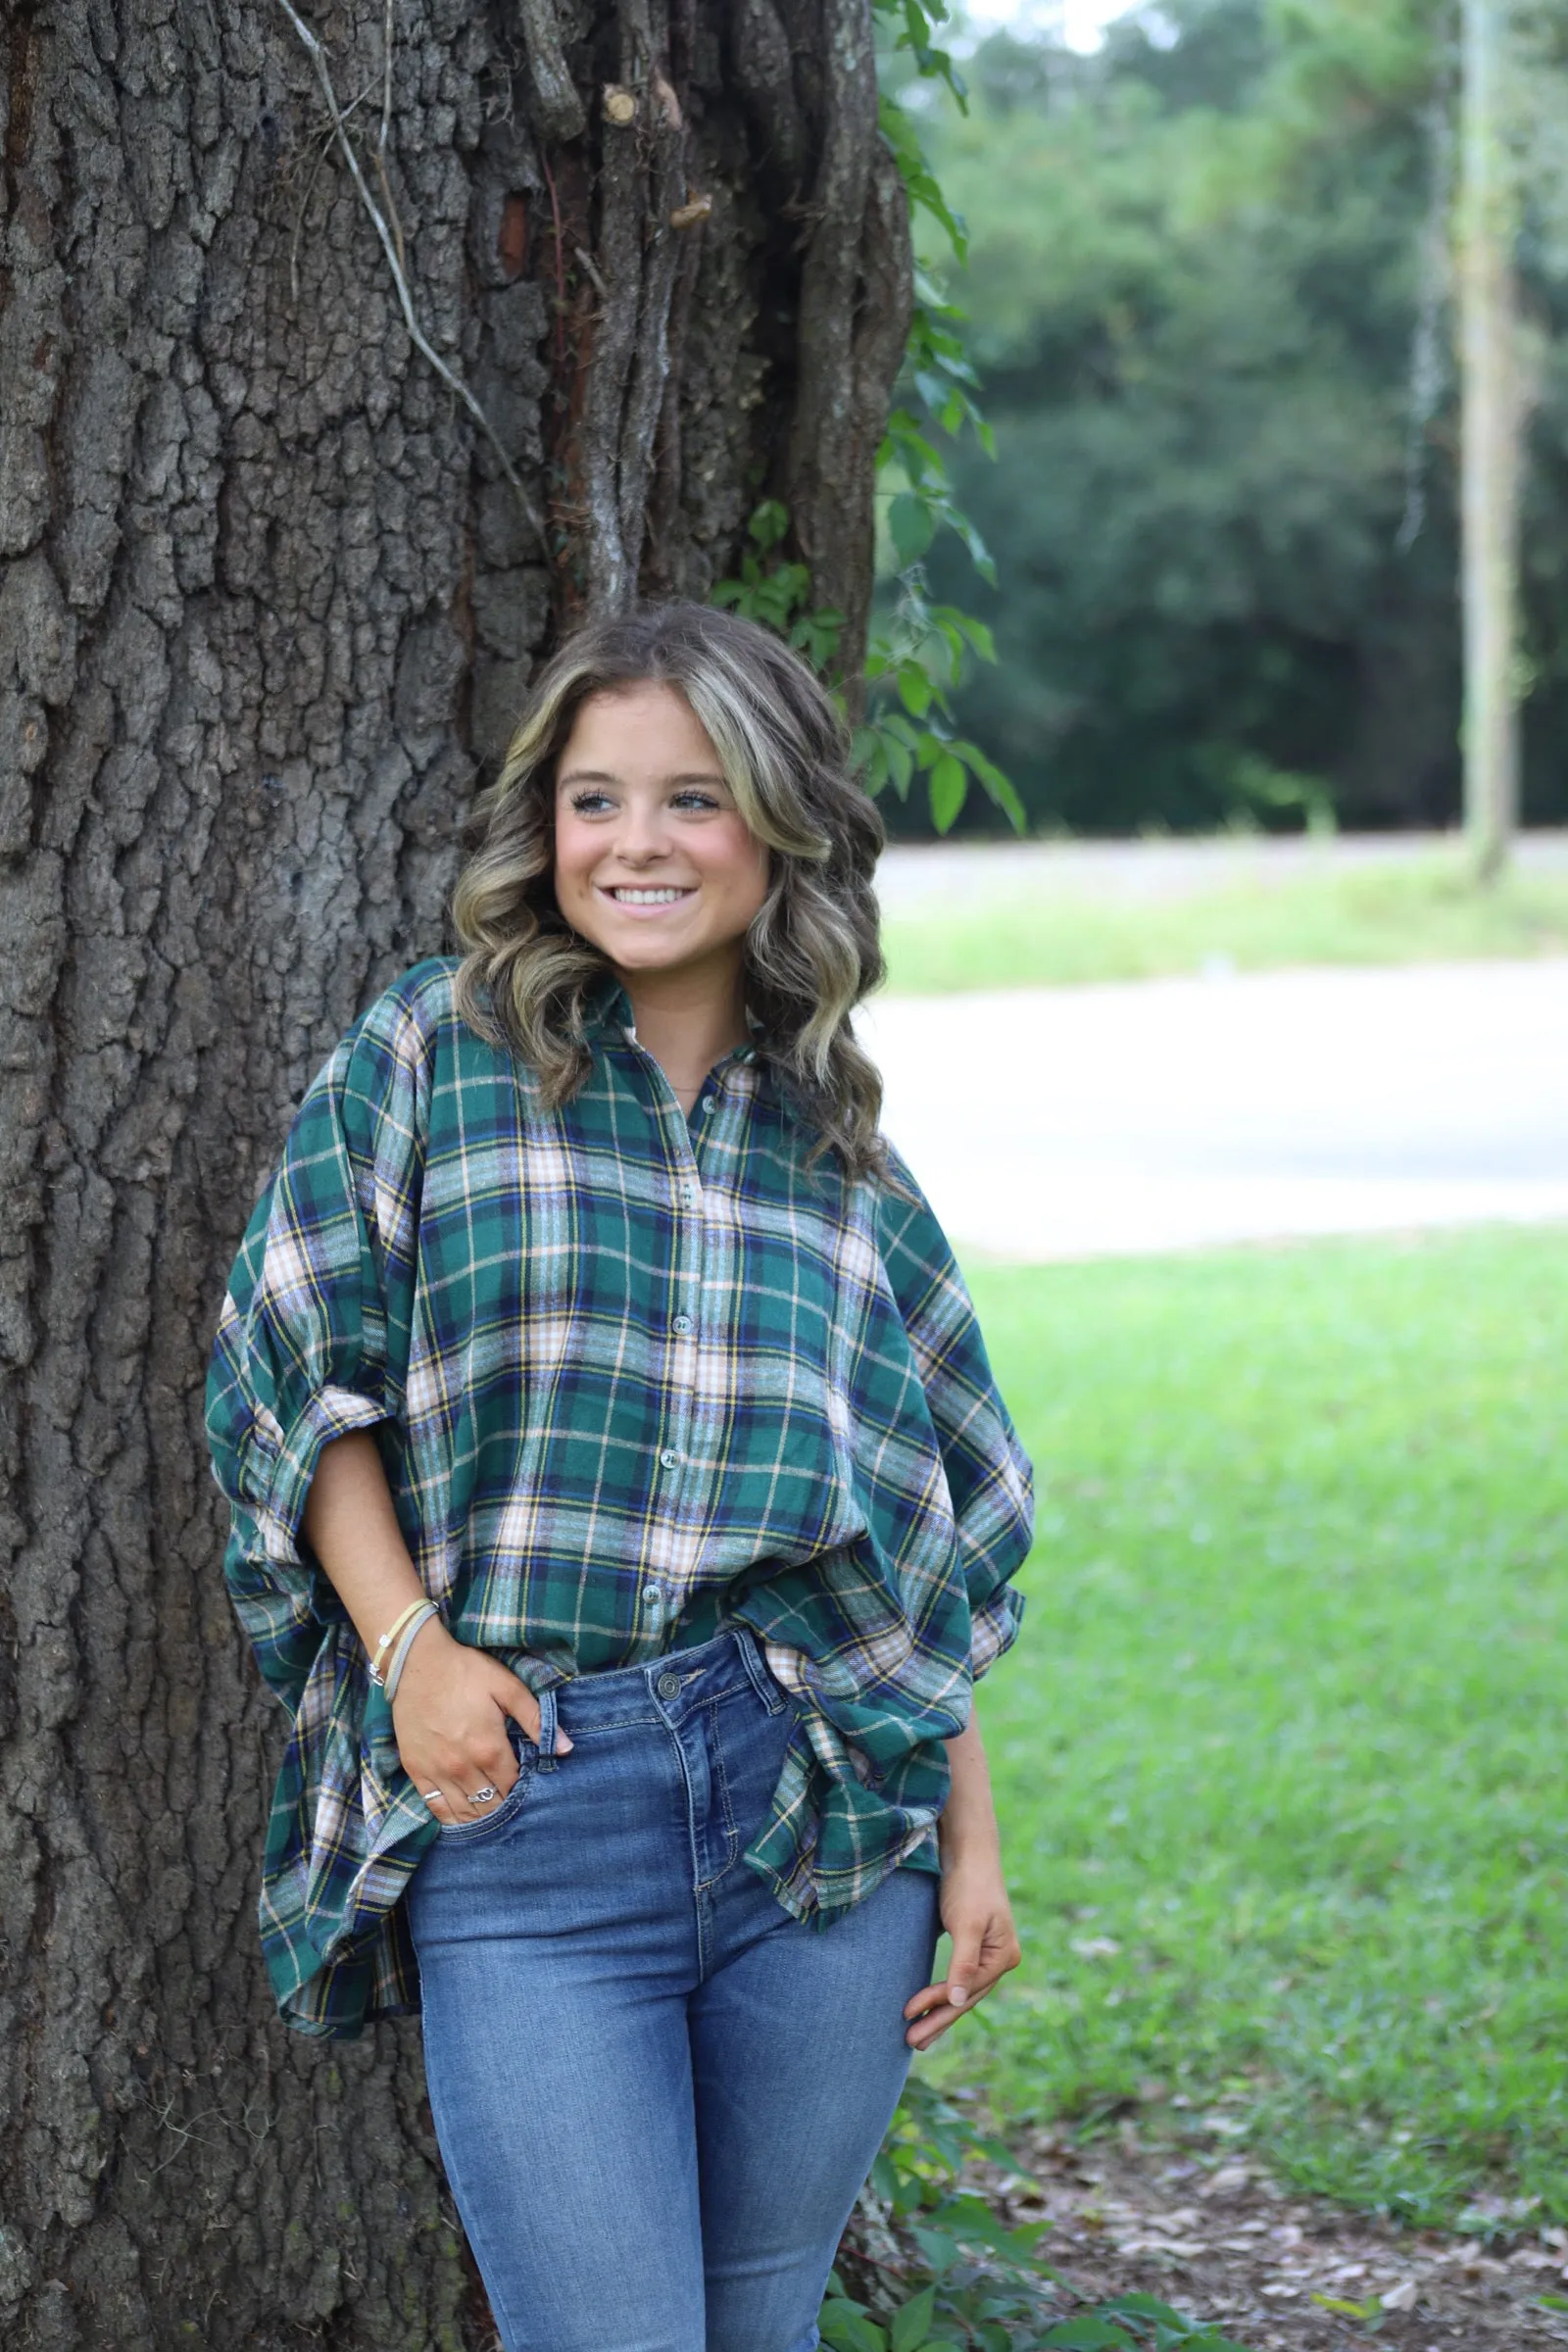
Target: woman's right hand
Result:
[450, 1717]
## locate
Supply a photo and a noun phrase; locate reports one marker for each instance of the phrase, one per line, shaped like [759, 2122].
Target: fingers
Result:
[519, 1702]
[461, 1779]
[965, 1967]
[453, 1802]
[984, 1949]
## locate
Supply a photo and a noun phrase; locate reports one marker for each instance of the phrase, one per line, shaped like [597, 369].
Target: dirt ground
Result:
[1211, 2235]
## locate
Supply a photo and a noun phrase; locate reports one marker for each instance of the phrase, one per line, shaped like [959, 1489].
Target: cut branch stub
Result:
[558, 110]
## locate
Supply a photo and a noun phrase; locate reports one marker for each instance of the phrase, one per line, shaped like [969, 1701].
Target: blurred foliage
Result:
[927, 2265]
[1203, 303]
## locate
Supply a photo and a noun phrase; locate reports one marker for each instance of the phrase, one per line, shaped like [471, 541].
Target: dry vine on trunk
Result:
[347, 350]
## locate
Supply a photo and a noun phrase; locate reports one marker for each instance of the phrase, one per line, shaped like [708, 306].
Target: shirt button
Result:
[683, 1322]
[708, 1102]
[653, 1595]
[668, 1459]
[668, 1686]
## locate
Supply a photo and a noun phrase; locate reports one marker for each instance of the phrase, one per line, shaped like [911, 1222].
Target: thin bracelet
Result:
[376, 1672]
[416, 1627]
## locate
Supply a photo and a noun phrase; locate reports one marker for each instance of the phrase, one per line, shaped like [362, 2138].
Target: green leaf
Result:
[768, 523]
[939, 2251]
[868, 755]
[1089, 2335]
[845, 2327]
[1147, 2307]
[914, 689]
[899, 761]
[979, 554]
[911, 526]
[949, 786]
[911, 2323]
[997, 786]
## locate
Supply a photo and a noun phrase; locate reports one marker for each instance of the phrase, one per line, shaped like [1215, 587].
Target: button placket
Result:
[687, 1270]
[661, 1600]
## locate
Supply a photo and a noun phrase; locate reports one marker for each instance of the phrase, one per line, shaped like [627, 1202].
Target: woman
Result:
[622, 1506]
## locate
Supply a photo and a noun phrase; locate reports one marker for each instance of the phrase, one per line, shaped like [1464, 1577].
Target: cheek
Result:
[741, 862]
[569, 857]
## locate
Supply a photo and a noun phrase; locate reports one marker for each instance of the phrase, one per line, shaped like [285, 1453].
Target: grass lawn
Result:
[1409, 913]
[1281, 1751]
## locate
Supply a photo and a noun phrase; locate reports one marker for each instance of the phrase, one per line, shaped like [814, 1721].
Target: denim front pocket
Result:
[474, 1832]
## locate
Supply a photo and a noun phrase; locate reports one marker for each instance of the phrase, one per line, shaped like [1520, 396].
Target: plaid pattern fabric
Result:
[634, 1377]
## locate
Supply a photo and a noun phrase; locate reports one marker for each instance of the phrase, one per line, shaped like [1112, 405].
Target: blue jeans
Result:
[657, 2095]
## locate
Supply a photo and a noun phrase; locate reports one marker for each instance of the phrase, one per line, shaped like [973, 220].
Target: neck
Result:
[689, 1019]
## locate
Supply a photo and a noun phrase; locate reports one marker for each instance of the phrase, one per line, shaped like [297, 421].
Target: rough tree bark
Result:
[271, 594]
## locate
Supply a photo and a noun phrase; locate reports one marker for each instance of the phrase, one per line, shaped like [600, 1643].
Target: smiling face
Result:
[653, 863]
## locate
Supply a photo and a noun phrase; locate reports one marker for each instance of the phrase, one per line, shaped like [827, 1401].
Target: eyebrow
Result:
[600, 775]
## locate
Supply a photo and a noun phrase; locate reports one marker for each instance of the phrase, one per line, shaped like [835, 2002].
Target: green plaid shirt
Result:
[635, 1377]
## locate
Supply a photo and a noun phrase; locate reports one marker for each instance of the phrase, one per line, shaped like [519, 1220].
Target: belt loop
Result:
[771, 1693]
[547, 1729]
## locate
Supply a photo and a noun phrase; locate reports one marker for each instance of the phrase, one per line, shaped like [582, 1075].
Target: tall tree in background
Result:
[1492, 434]
[344, 355]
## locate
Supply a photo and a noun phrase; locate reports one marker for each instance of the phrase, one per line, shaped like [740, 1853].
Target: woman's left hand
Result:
[977, 1915]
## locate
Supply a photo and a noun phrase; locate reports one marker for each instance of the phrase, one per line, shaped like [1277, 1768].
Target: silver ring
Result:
[432, 1796]
[482, 1796]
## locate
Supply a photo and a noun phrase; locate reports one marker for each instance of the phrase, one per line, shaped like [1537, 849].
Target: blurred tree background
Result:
[1209, 292]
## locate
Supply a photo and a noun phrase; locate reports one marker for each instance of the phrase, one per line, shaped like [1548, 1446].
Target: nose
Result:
[640, 836]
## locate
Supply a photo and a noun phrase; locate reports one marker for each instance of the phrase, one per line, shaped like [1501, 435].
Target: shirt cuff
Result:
[994, 1629]
[290, 1456]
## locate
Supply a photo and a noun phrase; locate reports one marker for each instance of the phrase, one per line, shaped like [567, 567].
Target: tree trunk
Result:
[1493, 422]
[272, 590]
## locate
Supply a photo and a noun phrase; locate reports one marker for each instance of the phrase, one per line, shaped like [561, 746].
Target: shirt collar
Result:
[606, 1007]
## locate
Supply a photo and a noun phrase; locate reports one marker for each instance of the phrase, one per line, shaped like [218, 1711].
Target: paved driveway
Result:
[1170, 1114]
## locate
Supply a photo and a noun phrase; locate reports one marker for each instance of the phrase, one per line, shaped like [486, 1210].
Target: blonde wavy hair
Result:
[811, 953]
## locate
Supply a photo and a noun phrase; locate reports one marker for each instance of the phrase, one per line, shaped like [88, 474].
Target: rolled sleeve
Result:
[993, 1629]
[989, 1476]
[309, 1337]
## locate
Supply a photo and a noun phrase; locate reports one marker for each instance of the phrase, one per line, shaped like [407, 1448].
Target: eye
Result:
[588, 802]
[693, 795]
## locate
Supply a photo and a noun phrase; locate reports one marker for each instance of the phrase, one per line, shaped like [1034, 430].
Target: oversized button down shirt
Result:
[635, 1377]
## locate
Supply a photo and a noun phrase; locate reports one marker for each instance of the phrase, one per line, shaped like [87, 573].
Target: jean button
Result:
[668, 1686]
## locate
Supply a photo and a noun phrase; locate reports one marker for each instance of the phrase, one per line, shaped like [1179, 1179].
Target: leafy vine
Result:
[919, 651]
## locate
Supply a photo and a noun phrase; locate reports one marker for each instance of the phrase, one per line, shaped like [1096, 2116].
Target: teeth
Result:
[647, 898]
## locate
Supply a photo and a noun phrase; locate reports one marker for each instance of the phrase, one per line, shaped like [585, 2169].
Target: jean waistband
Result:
[661, 1690]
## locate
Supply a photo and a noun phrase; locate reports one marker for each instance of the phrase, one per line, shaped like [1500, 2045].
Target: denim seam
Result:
[732, 1843]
